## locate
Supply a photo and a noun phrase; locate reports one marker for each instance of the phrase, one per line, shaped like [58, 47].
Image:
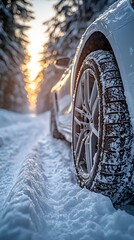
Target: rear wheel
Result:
[53, 127]
[102, 135]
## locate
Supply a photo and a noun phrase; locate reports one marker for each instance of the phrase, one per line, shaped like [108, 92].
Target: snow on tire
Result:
[102, 134]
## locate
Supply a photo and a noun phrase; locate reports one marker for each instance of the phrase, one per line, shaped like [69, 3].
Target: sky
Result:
[43, 10]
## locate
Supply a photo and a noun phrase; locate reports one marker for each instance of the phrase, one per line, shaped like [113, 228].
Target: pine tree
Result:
[13, 17]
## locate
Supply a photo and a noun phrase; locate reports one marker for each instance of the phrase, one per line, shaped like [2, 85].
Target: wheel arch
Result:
[54, 98]
[97, 41]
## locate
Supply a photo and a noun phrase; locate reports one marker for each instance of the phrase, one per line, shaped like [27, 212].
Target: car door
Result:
[64, 101]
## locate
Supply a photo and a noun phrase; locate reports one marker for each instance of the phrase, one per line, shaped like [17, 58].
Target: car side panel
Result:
[64, 105]
[63, 93]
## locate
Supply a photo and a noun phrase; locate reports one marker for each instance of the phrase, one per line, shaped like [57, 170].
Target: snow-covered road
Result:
[39, 196]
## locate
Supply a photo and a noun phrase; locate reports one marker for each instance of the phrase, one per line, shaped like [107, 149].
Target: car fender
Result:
[116, 26]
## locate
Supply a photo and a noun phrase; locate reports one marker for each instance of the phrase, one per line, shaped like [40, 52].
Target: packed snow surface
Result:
[39, 196]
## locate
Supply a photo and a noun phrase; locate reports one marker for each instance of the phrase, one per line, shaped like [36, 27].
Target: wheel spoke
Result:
[92, 147]
[83, 113]
[95, 158]
[77, 121]
[81, 94]
[80, 144]
[87, 155]
[86, 90]
[79, 152]
[79, 110]
[86, 86]
[85, 109]
[80, 123]
[95, 111]
[81, 136]
[94, 130]
[80, 97]
[93, 94]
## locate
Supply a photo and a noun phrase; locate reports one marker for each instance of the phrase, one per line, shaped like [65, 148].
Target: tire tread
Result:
[116, 165]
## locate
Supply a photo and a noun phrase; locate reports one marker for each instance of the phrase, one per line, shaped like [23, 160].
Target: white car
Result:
[93, 105]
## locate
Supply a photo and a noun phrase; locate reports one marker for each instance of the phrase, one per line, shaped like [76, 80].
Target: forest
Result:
[63, 31]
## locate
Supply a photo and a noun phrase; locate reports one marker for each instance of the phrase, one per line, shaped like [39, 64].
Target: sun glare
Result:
[32, 86]
[43, 11]
[34, 69]
[33, 65]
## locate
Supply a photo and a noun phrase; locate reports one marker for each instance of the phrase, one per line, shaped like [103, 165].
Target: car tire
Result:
[102, 134]
[53, 127]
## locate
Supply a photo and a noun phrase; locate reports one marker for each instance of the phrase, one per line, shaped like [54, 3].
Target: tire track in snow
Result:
[17, 142]
[23, 181]
[23, 216]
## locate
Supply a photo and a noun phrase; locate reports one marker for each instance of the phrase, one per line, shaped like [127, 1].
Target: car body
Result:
[111, 33]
